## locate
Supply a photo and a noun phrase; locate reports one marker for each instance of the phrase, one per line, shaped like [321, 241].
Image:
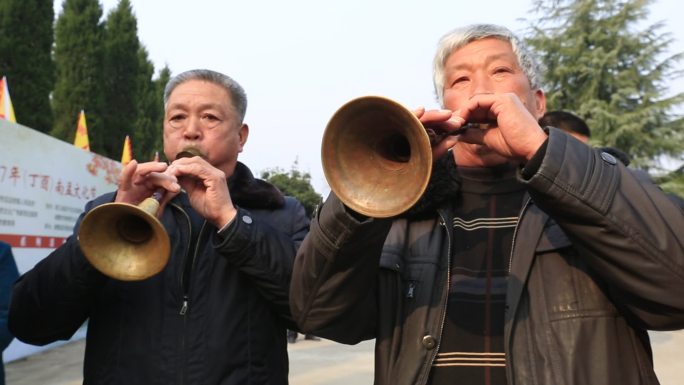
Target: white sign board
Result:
[44, 186]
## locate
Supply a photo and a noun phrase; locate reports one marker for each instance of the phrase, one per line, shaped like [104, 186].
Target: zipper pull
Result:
[410, 292]
[184, 308]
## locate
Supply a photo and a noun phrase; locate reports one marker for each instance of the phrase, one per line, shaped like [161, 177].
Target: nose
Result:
[481, 84]
[192, 129]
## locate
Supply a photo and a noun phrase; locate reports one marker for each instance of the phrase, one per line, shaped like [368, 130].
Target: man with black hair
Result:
[568, 122]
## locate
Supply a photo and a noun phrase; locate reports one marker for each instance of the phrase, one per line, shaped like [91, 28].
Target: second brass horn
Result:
[376, 156]
[124, 241]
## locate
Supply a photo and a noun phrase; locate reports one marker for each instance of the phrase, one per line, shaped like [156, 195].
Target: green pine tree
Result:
[26, 38]
[605, 66]
[673, 182]
[295, 183]
[159, 85]
[79, 58]
[148, 126]
[122, 77]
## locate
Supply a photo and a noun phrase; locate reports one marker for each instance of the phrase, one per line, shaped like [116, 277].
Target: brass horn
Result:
[124, 241]
[376, 156]
[127, 242]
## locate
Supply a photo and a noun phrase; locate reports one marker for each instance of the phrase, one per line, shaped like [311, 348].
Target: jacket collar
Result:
[443, 185]
[249, 192]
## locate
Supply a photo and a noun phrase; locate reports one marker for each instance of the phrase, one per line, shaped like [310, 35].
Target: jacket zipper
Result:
[431, 360]
[187, 271]
[185, 287]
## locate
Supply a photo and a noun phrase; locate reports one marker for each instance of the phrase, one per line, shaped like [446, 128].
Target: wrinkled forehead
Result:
[198, 92]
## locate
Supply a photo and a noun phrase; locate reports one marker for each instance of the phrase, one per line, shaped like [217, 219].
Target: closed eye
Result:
[177, 119]
[210, 120]
[501, 70]
[459, 80]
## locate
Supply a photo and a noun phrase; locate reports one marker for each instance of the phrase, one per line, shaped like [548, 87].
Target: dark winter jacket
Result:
[8, 274]
[597, 259]
[216, 314]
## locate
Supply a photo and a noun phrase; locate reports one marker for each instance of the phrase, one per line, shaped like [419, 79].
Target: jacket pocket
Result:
[570, 288]
[416, 280]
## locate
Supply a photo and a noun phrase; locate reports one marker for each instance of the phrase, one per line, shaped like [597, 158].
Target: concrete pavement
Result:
[311, 363]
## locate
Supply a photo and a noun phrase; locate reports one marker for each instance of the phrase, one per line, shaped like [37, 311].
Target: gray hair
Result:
[460, 37]
[236, 92]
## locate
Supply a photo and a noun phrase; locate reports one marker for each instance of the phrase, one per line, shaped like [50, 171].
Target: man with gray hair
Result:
[531, 258]
[217, 313]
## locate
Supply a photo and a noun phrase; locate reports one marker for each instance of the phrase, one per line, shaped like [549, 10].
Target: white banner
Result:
[44, 186]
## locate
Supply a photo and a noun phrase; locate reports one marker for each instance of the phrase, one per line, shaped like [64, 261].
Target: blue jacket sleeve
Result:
[8, 274]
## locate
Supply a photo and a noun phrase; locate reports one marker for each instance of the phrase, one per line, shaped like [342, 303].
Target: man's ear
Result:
[540, 99]
[243, 134]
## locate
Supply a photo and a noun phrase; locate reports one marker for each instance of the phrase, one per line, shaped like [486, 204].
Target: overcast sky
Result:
[300, 60]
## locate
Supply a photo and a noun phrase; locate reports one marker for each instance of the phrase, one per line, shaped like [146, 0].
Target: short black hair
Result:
[566, 121]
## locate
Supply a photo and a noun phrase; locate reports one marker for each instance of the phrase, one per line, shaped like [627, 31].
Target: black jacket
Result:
[233, 286]
[597, 259]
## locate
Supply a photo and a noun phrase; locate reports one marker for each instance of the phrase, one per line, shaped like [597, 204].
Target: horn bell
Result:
[376, 156]
[124, 241]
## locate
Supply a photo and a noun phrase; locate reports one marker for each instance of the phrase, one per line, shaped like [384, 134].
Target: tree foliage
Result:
[26, 37]
[103, 68]
[159, 85]
[147, 135]
[672, 182]
[123, 79]
[295, 183]
[78, 57]
[603, 65]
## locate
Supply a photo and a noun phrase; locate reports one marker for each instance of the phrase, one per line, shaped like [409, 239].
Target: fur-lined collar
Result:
[249, 192]
[443, 185]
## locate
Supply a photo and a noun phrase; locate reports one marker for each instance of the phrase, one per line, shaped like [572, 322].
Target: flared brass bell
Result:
[124, 241]
[376, 156]
[127, 242]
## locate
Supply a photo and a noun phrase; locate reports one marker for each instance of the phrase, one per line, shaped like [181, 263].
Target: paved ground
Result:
[311, 363]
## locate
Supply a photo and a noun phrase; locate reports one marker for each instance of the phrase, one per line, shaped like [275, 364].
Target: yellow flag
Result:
[81, 140]
[6, 109]
[127, 154]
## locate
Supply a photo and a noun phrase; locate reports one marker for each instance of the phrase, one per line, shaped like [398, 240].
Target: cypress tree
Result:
[159, 85]
[148, 125]
[121, 77]
[604, 66]
[26, 59]
[79, 58]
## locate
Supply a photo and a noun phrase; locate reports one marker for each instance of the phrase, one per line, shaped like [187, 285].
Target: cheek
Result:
[453, 99]
[234, 146]
[169, 133]
[223, 144]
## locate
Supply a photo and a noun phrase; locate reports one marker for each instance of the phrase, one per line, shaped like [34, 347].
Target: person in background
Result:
[8, 274]
[219, 310]
[577, 127]
[531, 258]
[568, 122]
